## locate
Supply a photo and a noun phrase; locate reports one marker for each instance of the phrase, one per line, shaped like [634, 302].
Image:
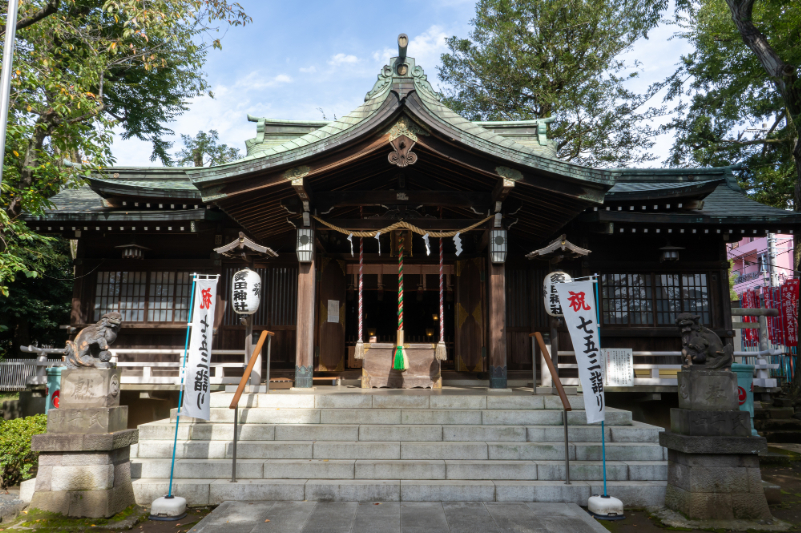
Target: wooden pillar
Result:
[304, 344]
[496, 291]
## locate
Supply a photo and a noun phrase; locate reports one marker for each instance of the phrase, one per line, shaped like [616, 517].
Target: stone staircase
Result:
[780, 421]
[399, 446]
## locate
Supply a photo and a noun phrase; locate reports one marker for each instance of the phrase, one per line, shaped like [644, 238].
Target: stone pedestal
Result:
[713, 464]
[84, 459]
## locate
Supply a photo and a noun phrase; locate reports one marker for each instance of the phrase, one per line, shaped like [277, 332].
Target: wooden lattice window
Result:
[144, 296]
[653, 299]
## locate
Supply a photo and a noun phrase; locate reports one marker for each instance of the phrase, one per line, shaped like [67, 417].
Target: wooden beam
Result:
[497, 325]
[304, 339]
[501, 191]
[303, 192]
[369, 224]
[328, 200]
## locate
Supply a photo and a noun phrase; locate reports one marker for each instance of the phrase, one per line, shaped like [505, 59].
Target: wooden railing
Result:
[243, 383]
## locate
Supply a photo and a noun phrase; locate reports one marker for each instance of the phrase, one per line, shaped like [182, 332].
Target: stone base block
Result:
[710, 423]
[90, 387]
[65, 442]
[90, 420]
[85, 503]
[716, 506]
[712, 445]
[708, 390]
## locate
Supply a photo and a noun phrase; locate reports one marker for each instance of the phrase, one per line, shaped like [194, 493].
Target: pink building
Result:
[751, 258]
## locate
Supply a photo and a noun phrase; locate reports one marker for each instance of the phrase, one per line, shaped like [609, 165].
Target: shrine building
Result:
[401, 167]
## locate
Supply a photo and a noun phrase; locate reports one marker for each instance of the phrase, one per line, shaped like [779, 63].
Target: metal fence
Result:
[15, 373]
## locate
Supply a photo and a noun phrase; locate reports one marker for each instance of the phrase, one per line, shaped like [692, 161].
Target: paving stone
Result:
[276, 415]
[161, 431]
[447, 491]
[354, 490]
[224, 399]
[256, 489]
[530, 451]
[284, 449]
[236, 517]
[582, 471]
[515, 517]
[637, 432]
[402, 469]
[468, 517]
[521, 418]
[285, 517]
[515, 402]
[484, 433]
[203, 468]
[574, 433]
[440, 416]
[458, 402]
[343, 401]
[444, 450]
[623, 451]
[308, 469]
[357, 450]
[400, 433]
[330, 517]
[423, 517]
[400, 402]
[287, 401]
[316, 432]
[361, 416]
[154, 449]
[648, 470]
[384, 518]
[491, 469]
[196, 491]
[542, 491]
[226, 432]
[614, 417]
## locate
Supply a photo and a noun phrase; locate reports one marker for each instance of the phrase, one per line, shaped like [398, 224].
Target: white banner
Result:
[198, 359]
[578, 305]
[619, 367]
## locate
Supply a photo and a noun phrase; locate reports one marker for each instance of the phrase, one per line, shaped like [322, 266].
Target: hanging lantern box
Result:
[246, 292]
[552, 306]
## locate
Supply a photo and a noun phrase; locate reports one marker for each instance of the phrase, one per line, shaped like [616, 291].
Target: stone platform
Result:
[370, 517]
[354, 444]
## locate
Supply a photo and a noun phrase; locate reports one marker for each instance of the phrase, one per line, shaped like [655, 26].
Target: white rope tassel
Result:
[377, 235]
[350, 239]
[458, 242]
[428, 247]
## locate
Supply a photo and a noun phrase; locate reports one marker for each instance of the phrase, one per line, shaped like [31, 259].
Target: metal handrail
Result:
[562, 396]
[242, 383]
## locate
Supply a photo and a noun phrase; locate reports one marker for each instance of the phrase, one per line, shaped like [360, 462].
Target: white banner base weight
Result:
[605, 508]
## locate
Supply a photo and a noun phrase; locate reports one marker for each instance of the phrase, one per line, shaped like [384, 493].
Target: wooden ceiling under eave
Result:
[537, 207]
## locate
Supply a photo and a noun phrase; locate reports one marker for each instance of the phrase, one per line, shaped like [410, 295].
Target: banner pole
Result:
[181, 393]
[603, 430]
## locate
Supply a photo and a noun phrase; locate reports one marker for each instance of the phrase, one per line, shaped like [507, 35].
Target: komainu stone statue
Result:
[701, 347]
[90, 347]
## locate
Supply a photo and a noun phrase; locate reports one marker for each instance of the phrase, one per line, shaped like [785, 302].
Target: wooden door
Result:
[469, 315]
[331, 313]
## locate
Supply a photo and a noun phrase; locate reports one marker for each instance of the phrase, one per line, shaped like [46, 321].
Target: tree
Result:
[529, 59]
[203, 150]
[81, 68]
[737, 112]
[38, 305]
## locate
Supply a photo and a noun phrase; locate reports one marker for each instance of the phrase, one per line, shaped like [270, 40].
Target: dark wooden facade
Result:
[457, 173]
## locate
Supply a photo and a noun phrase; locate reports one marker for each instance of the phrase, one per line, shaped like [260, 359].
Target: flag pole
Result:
[5, 80]
[598, 323]
[183, 370]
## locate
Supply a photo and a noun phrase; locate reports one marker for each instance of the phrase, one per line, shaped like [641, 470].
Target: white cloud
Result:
[308, 70]
[341, 58]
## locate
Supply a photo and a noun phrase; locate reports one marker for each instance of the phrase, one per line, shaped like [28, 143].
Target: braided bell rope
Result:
[400, 282]
[401, 225]
[361, 272]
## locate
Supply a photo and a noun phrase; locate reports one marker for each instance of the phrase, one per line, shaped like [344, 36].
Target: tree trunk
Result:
[197, 157]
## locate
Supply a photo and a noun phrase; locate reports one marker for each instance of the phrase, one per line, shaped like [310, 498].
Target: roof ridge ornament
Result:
[407, 127]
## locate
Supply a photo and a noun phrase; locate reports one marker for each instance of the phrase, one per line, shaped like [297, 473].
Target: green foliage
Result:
[17, 461]
[81, 69]
[39, 303]
[529, 59]
[732, 279]
[723, 90]
[203, 150]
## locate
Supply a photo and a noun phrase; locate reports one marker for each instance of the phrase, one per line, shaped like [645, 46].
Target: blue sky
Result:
[298, 56]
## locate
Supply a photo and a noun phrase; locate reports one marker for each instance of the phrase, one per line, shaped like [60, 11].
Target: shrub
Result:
[17, 461]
